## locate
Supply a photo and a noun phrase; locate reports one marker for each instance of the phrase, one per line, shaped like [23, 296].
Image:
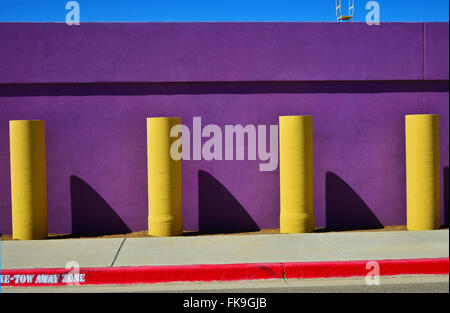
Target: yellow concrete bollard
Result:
[164, 179]
[296, 174]
[28, 179]
[422, 171]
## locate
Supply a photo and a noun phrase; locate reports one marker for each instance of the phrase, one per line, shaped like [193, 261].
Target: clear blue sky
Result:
[214, 10]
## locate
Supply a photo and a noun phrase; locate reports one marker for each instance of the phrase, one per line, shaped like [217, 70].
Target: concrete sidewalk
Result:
[314, 247]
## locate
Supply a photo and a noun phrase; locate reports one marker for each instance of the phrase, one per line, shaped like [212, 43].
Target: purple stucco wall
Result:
[95, 84]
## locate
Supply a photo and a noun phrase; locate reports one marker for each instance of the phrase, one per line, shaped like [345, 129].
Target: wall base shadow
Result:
[91, 214]
[345, 210]
[219, 210]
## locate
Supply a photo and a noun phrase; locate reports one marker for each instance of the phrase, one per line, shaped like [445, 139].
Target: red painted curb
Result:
[362, 268]
[218, 272]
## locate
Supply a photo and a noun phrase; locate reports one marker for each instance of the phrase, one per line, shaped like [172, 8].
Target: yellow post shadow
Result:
[422, 171]
[296, 174]
[28, 179]
[164, 179]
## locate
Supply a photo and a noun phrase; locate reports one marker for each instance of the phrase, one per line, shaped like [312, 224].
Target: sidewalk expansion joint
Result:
[331, 247]
[285, 281]
[117, 253]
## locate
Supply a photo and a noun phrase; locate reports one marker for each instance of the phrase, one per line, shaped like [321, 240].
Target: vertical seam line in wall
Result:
[117, 253]
[423, 65]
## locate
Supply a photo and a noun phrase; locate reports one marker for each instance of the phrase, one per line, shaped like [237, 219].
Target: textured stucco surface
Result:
[95, 84]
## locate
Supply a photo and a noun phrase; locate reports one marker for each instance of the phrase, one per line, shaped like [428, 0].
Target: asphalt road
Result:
[393, 288]
[397, 284]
